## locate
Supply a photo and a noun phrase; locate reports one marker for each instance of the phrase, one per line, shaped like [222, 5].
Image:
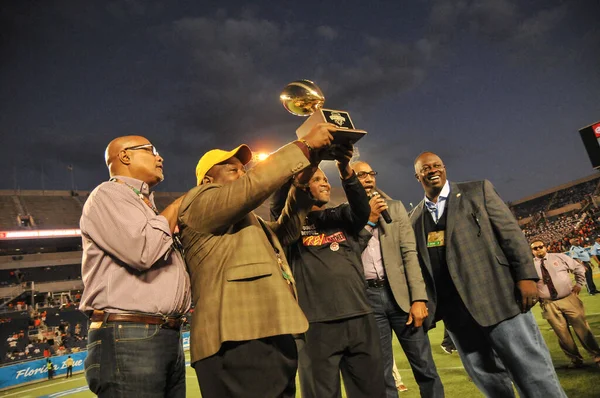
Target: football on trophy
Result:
[302, 97]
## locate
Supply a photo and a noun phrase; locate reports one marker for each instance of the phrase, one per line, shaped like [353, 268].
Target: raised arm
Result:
[289, 224]
[213, 207]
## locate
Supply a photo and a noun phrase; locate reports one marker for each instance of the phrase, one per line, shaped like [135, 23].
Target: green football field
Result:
[579, 383]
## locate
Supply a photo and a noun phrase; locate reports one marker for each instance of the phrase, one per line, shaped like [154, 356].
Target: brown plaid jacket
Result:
[238, 289]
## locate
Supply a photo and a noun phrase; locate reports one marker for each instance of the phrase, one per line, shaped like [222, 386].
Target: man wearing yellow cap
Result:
[246, 309]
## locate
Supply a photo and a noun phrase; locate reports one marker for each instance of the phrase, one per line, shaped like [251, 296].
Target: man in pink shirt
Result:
[560, 302]
[136, 284]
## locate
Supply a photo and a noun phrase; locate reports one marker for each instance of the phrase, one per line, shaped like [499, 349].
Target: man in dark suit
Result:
[395, 287]
[246, 311]
[481, 282]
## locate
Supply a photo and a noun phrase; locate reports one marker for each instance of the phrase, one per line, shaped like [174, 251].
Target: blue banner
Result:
[185, 339]
[25, 372]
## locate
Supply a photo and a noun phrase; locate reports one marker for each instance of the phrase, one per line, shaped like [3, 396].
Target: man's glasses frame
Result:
[537, 247]
[149, 147]
[363, 174]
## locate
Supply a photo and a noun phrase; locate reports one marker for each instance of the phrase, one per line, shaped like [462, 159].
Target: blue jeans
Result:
[414, 342]
[135, 360]
[512, 350]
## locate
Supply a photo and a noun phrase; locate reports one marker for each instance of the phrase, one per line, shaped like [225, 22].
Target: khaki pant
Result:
[569, 311]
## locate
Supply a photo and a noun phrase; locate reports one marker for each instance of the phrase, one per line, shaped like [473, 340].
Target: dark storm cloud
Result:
[327, 32]
[512, 23]
[192, 76]
[230, 85]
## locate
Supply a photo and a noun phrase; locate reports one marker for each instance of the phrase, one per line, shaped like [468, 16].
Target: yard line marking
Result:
[45, 386]
[67, 392]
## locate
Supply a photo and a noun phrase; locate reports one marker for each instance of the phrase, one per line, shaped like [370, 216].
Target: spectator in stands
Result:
[129, 246]
[560, 302]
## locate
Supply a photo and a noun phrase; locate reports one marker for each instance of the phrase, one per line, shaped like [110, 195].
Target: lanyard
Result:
[286, 276]
[139, 194]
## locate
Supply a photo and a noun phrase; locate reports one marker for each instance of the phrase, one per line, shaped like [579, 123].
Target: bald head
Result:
[132, 156]
[118, 144]
[422, 155]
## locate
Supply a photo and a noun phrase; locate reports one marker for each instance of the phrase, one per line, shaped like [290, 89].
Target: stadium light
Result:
[43, 234]
[260, 156]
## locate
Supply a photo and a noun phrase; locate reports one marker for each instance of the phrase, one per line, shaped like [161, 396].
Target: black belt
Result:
[166, 322]
[377, 283]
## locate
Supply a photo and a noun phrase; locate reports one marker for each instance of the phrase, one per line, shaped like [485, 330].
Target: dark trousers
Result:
[414, 342]
[589, 278]
[261, 368]
[447, 340]
[351, 346]
[69, 371]
[138, 360]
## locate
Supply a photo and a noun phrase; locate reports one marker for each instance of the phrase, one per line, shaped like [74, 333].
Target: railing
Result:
[10, 293]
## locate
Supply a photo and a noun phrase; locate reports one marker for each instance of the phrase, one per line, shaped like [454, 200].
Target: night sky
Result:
[498, 88]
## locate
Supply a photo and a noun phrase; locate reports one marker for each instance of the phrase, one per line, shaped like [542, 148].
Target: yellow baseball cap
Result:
[216, 156]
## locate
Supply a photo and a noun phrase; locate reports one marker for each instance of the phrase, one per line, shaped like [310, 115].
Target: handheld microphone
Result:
[385, 214]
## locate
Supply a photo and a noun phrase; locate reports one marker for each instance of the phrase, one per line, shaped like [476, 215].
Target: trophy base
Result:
[345, 135]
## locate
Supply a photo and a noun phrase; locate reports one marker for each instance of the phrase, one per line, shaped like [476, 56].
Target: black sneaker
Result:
[448, 349]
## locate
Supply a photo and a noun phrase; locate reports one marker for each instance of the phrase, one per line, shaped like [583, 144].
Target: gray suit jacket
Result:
[486, 252]
[399, 252]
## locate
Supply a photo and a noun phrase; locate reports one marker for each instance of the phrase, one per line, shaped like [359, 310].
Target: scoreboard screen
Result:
[590, 136]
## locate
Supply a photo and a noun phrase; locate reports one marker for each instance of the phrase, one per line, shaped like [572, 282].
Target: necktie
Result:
[548, 280]
[433, 209]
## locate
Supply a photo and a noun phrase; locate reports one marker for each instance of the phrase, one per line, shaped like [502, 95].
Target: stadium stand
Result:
[559, 214]
[554, 200]
[8, 212]
[60, 212]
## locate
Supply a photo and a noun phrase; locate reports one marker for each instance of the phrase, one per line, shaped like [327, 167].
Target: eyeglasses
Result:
[537, 247]
[147, 147]
[427, 169]
[363, 174]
